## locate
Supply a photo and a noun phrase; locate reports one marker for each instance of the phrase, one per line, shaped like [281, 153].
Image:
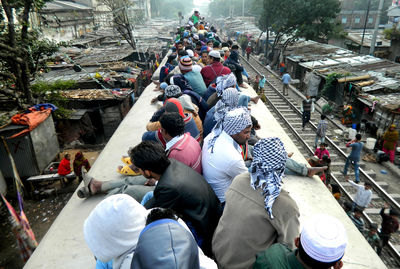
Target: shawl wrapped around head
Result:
[267, 169]
[224, 82]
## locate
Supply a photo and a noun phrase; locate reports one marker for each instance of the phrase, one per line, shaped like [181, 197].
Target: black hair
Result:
[347, 206]
[224, 44]
[254, 122]
[367, 184]
[171, 58]
[179, 43]
[160, 213]
[314, 263]
[210, 41]
[173, 123]
[323, 117]
[358, 209]
[235, 47]
[326, 159]
[358, 136]
[149, 155]
[230, 42]
[198, 43]
[189, 48]
[335, 188]
[394, 212]
[182, 53]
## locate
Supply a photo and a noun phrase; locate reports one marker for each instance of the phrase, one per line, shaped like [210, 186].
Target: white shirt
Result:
[363, 196]
[223, 165]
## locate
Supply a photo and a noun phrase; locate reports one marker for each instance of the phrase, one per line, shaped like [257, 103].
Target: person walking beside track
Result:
[321, 131]
[286, 80]
[354, 157]
[307, 107]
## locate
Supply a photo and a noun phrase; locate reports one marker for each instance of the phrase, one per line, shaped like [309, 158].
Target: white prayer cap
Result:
[324, 238]
[190, 53]
[214, 54]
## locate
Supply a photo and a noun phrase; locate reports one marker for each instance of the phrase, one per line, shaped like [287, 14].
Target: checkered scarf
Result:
[234, 122]
[172, 91]
[229, 100]
[266, 170]
[224, 82]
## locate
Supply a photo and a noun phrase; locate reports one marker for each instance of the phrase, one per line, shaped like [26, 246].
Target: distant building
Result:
[394, 15]
[64, 20]
[355, 19]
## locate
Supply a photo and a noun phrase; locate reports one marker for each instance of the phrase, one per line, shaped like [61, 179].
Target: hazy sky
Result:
[201, 2]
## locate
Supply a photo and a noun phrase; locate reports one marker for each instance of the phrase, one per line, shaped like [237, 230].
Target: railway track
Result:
[288, 112]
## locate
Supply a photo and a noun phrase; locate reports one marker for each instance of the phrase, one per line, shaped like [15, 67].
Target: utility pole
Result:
[365, 26]
[373, 40]
[243, 9]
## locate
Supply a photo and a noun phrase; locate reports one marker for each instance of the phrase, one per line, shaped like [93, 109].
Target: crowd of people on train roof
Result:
[202, 190]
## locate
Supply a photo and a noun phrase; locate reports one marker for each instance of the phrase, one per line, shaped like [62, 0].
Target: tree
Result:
[21, 49]
[311, 19]
[124, 17]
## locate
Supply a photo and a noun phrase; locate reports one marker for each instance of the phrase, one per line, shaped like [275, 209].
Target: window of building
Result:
[344, 20]
[357, 20]
[370, 20]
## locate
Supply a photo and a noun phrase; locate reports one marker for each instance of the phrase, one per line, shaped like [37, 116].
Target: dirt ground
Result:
[41, 210]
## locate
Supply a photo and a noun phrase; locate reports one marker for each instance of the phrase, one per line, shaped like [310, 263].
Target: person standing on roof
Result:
[354, 157]
[214, 69]
[195, 17]
[307, 107]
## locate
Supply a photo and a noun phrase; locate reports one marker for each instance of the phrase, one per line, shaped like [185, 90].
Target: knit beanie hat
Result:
[185, 64]
[114, 226]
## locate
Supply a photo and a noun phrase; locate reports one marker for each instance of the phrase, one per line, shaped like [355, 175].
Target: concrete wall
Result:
[45, 143]
[64, 246]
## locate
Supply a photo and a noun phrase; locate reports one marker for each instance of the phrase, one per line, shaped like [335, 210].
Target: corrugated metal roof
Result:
[64, 5]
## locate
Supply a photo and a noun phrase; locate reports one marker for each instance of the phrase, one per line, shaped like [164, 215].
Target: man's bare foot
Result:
[95, 186]
[290, 154]
[314, 170]
[255, 99]
[243, 86]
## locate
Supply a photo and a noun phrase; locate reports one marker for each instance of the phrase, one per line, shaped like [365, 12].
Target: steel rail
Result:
[386, 197]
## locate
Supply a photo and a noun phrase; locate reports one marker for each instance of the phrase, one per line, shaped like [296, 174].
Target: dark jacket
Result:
[233, 62]
[188, 193]
[165, 244]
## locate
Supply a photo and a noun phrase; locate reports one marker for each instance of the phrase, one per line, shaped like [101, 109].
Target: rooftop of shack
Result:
[326, 59]
[96, 94]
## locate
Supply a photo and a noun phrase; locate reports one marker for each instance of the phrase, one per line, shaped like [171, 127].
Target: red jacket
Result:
[187, 151]
[210, 72]
[64, 168]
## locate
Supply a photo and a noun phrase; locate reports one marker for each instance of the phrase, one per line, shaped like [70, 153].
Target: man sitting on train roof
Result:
[321, 245]
[257, 212]
[229, 134]
[214, 69]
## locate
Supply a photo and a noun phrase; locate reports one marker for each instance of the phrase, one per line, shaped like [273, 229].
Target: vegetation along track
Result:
[285, 110]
